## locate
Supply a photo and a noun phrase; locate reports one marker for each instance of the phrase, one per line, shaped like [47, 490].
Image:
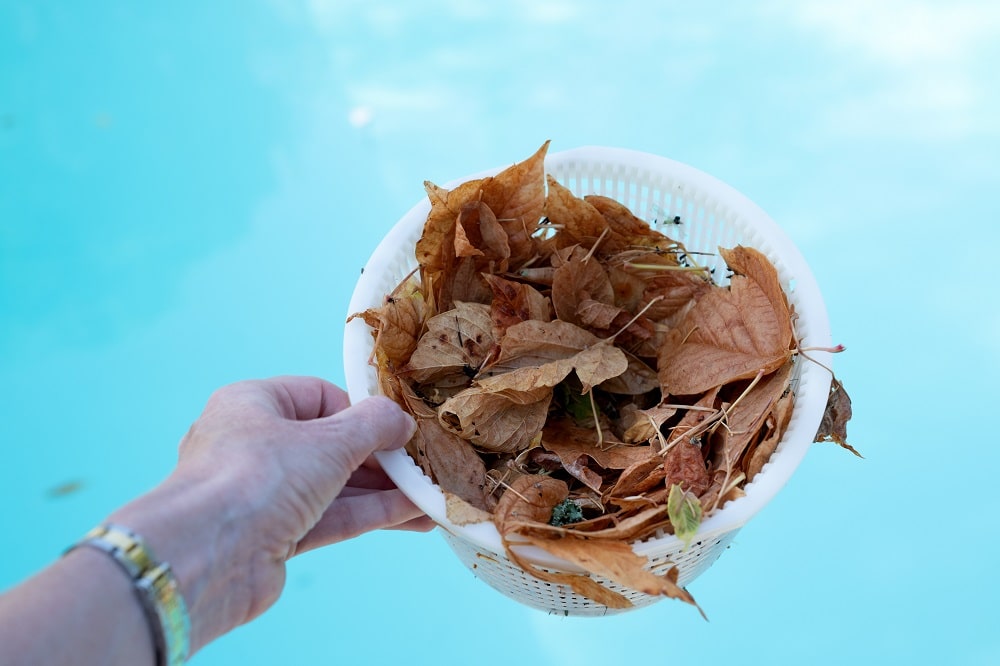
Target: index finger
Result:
[290, 397]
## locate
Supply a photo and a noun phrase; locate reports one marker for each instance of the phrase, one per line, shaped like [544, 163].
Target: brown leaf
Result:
[532, 343]
[752, 265]
[501, 421]
[581, 584]
[628, 287]
[641, 425]
[528, 499]
[599, 363]
[595, 314]
[745, 417]
[575, 457]
[456, 467]
[457, 342]
[569, 441]
[463, 246]
[526, 347]
[776, 425]
[615, 561]
[833, 427]
[627, 230]
[674, 292]
[517, 196]
[580, 469]
[435, 250]
[637, 379]
[461, 512]
[636, 479]
[397, 388]
[684, 465]
[398, 323]
[730, 334]
[467, 285]
[580, 222]
[514, 302]
[531, 499]
[579, 281]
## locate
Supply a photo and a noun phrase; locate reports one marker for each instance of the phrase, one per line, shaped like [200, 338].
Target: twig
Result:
[664, 267]
[634, 319]
[596, 243]
[693, 431]
[597, 423]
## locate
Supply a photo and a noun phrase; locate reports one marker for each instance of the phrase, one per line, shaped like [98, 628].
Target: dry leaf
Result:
[615, 561]
[580, 222]
[398, 323]
[684, 466]
[461, 512]
[499, 421]
[517, 198]
[730, 334]
[456, 467]
[514, 302]
[833, 427]
[776, 425]
[643, 475]
[745, 418]
[577, 283]
[457, 342]
[643, 425]
[627, 230]
[569, 441]
[479, 234]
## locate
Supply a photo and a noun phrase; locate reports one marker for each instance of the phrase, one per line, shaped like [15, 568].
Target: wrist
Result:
[185, 523]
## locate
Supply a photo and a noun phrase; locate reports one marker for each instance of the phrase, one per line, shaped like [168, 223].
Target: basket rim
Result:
[806, 416]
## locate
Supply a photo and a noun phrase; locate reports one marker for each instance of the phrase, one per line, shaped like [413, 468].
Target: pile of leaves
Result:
[579, 378]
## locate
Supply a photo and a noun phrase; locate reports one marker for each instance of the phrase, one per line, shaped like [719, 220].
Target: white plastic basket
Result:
[712, 214]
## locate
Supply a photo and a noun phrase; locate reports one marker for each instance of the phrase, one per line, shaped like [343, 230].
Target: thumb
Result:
[351, 435]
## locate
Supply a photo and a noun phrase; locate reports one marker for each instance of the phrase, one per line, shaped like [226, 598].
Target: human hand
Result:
[271, 469]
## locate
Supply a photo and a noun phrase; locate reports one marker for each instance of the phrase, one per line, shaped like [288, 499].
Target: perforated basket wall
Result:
[712, 214]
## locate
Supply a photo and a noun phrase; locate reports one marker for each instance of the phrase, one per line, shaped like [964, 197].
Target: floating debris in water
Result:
[64, 489]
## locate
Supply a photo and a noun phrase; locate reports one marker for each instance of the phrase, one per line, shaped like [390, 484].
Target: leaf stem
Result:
[634, 319]
[760, 375]
[593, 247]
[833, 350]
[597, 423]
[664, 267]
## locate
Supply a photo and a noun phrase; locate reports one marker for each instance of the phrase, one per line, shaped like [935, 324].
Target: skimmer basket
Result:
[712, 214]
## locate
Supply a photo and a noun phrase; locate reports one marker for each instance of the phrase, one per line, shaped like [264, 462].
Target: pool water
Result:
[188, 192]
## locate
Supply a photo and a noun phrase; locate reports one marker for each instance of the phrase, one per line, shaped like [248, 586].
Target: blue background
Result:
[188, 192]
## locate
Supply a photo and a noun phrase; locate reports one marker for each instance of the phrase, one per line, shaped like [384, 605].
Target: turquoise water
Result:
[188, 192]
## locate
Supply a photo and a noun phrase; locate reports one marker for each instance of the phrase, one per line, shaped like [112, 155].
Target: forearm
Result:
[81, 610]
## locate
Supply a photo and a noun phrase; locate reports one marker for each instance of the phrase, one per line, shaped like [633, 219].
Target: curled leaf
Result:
[833, 427]
[500, 421]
